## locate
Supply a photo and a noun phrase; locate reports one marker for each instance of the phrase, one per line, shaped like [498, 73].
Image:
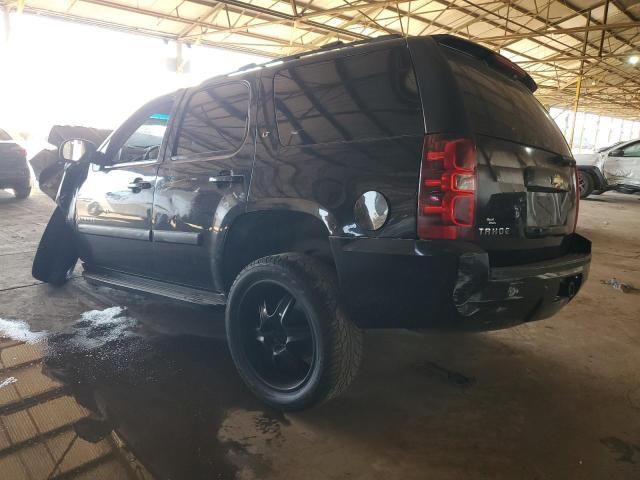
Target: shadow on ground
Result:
[462, 405]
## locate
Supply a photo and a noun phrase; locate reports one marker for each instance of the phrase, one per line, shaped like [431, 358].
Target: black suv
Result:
[14, 170]
[397, 182]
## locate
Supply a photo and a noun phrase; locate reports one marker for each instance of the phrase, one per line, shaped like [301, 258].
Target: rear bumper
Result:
[389, 283]
[14, 179]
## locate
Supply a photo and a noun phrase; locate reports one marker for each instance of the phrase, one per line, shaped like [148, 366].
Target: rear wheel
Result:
[586, 184]
[22, 192]
[289, 338]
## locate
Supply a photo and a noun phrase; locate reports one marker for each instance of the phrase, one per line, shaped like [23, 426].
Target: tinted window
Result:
[632, 150]
[215, 121]
[4, 136]
[369, 95]
[504, 108]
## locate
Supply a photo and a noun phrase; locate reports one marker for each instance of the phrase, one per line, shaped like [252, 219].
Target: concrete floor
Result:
[558, 398]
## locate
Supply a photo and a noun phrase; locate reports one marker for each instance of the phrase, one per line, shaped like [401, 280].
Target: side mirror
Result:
[616, 153]
[76, 150]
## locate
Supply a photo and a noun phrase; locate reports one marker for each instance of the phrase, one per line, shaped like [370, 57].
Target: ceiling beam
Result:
[276, 14]
[561, 31]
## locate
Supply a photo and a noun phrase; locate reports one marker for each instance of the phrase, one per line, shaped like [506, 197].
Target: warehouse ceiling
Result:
[558, 42]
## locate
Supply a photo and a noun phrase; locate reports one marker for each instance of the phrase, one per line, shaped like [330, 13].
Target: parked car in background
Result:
[616, 167]
[602, 149]
[392, 183]
[14, 170]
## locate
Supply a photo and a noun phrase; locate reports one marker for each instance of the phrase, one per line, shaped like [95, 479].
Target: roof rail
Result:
[332, 45]
[324, 48]
[248, 66]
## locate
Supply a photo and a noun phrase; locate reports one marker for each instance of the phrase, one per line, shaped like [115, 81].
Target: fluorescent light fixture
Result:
[634, 59]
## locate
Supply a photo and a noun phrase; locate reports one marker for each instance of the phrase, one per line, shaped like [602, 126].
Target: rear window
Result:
[4, 136]
[370, 95]
[501, 107]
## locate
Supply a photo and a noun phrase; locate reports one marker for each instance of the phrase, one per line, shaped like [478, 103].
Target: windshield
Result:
[4, 136]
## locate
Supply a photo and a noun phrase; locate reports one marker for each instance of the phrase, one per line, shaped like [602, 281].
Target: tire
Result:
[306, 350]
[57, 255]
[586, 183]
[22, 192]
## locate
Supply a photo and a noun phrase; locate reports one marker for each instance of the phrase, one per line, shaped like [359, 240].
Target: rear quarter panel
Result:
[326, 179]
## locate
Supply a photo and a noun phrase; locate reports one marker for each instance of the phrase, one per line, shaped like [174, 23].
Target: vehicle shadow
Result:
[475, 404]
[613, 197]
[472, 406]
[7, 197]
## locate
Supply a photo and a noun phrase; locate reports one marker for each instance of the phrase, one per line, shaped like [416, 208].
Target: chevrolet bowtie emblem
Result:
[557, 181]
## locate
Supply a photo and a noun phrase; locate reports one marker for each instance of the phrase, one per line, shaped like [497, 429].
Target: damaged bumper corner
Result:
[488, 298]
[397, 283]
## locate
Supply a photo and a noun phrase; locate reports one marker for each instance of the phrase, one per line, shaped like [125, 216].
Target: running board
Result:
[134, 283]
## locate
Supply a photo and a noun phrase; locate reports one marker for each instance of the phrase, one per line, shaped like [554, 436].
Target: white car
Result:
[616, 167]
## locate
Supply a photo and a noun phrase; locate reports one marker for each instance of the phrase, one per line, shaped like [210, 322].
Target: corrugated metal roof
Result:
[556, 41]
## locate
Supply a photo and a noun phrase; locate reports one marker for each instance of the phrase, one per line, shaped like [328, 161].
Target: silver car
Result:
[616, 167]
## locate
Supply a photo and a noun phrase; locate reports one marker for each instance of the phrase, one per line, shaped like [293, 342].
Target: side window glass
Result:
[144, 143]
[215, 121]
[370, 95]
[632, 150]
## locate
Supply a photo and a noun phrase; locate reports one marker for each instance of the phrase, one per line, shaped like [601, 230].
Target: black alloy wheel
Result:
[288, 335]
[278, 341]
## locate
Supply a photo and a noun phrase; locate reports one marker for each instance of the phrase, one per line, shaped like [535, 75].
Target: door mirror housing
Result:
[616, 153]
[76, 150]
[79, 150]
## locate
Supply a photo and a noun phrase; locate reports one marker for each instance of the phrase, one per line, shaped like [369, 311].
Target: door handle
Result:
[226, 177]
[139, 184]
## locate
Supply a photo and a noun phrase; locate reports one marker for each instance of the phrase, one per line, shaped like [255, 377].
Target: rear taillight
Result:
[447, 193]
[577, 190]
[19, 150]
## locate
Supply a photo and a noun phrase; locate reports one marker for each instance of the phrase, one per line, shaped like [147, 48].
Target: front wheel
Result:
[291, 341]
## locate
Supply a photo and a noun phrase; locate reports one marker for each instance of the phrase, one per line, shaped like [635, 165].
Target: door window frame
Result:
[124, 132]
[184, 106]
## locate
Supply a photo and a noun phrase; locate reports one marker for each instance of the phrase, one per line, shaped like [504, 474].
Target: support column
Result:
[7, 24]
[576, 102]
[179, 58]
[604, 21]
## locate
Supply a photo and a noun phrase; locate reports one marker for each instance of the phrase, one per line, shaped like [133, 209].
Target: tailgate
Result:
[526, 203]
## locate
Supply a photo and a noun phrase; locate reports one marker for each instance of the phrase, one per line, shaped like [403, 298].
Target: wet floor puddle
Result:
[106, 399]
